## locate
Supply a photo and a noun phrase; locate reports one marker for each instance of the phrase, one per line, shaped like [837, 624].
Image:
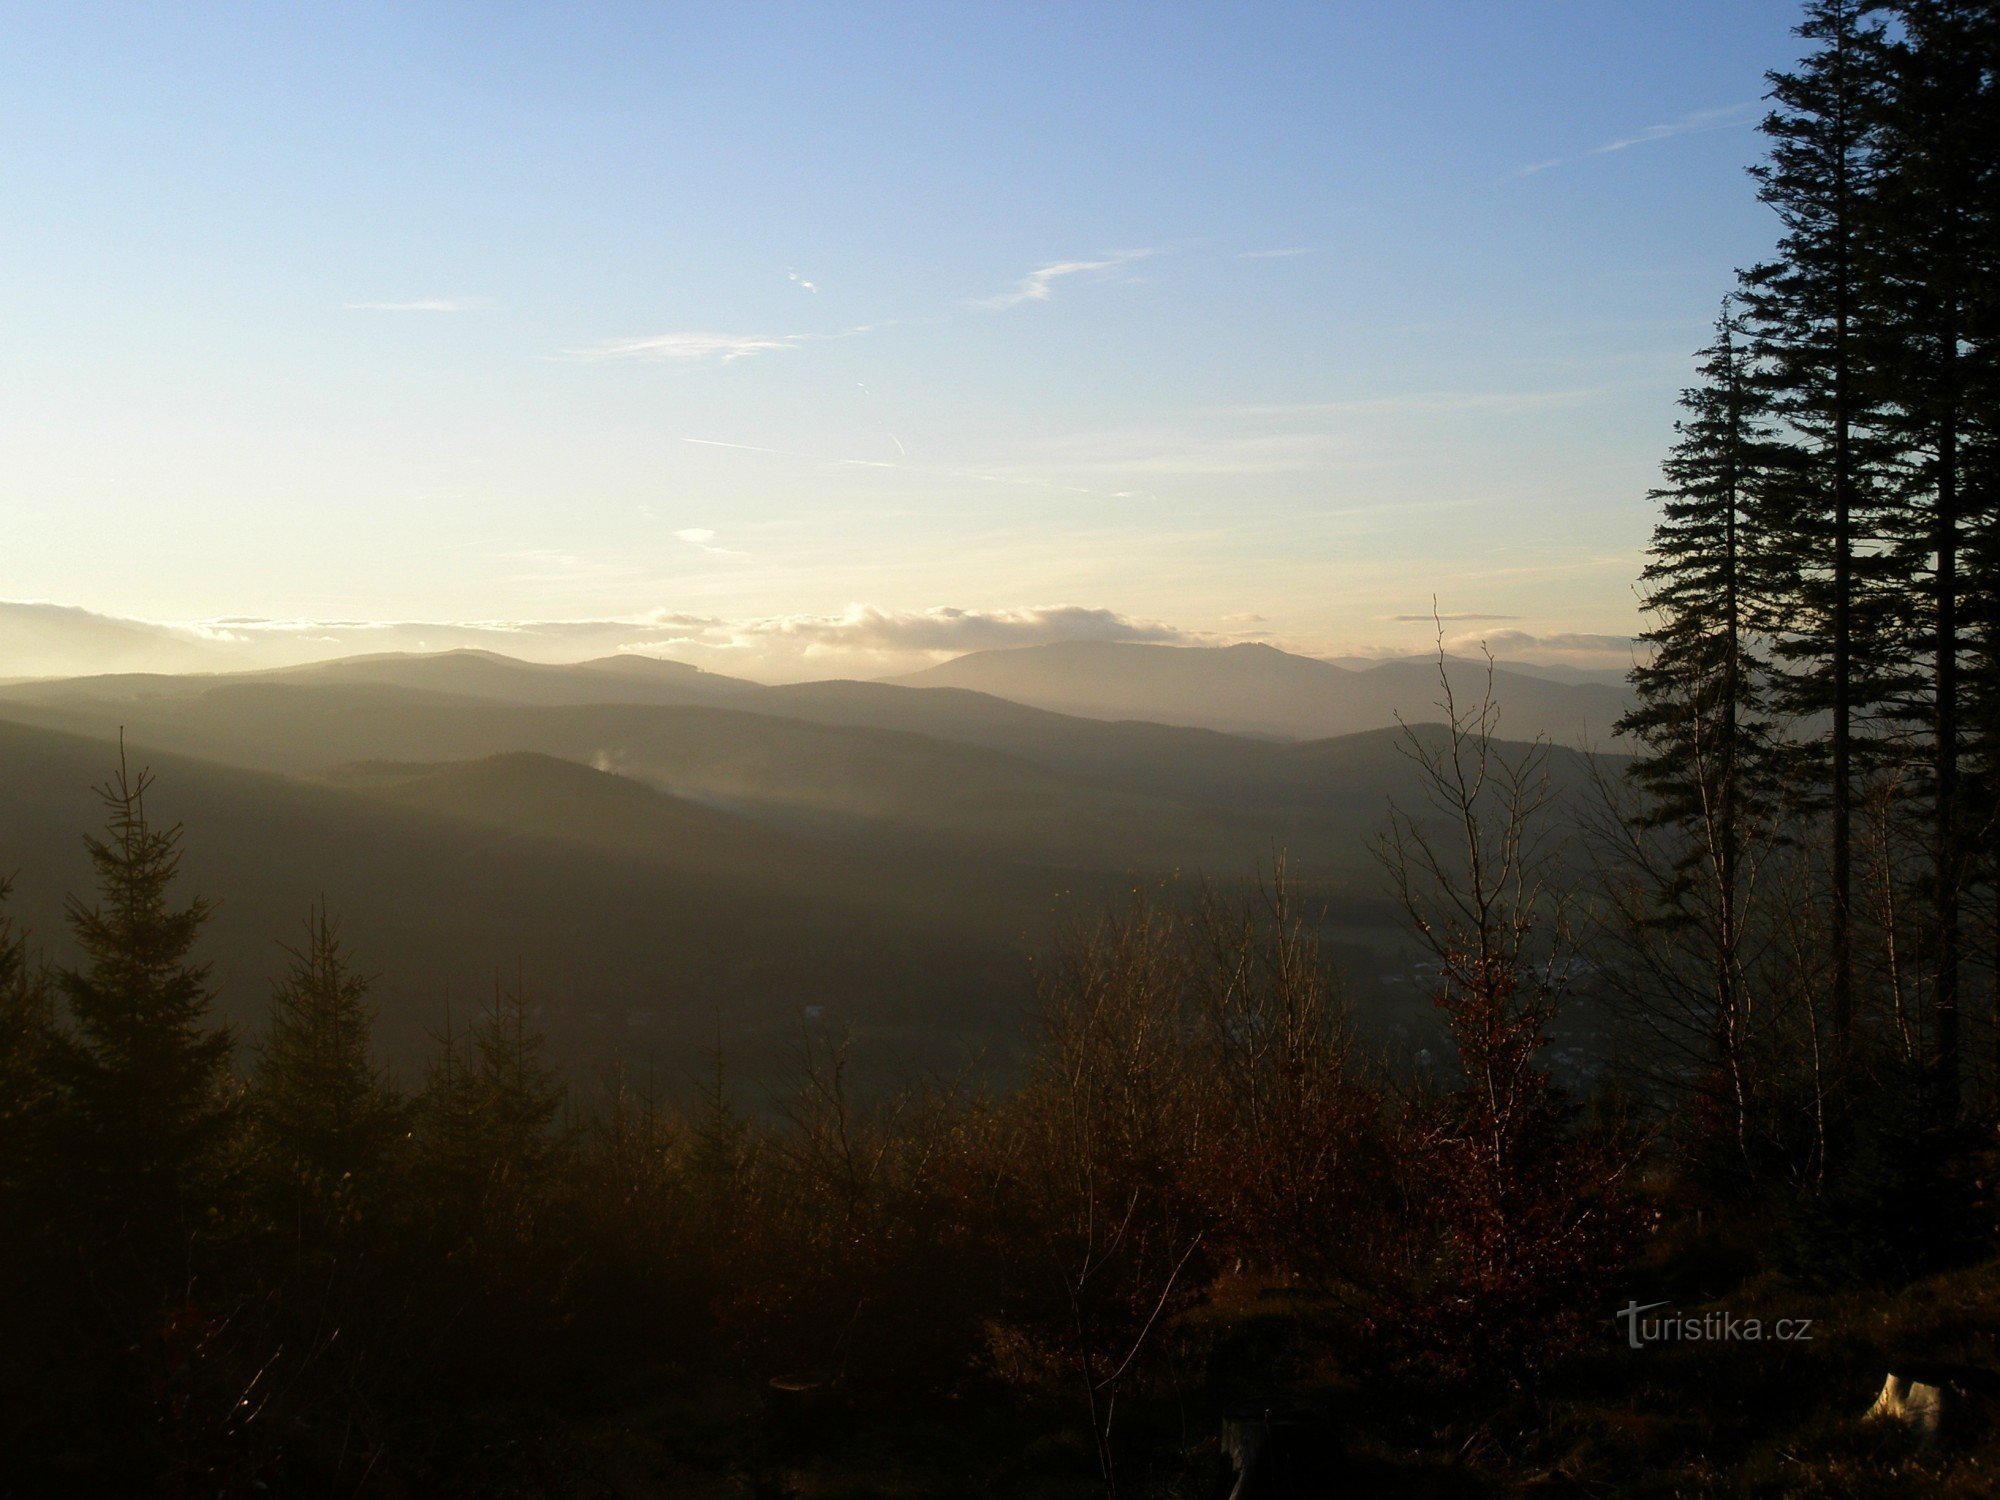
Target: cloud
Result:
[800, 282]
[690, 347]
[1284, 254]
[695, 347]
[1726, 117]
[864, 627]
[425, 304]
[41, 639]
[1702, 119]
[1037, 285]
[704, 538]
[49, 640]
[1448, 619]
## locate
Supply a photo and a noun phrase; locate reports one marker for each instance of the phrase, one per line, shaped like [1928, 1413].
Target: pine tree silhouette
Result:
[1811, 309]
[146, 1103]
[319, 1100]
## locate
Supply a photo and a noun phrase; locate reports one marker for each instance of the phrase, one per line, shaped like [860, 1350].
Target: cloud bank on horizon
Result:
[40, 639]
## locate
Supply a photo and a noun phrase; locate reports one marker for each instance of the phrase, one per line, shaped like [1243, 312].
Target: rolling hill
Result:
[638, 919]
[884, 853]
[463, 673]
[943, 768]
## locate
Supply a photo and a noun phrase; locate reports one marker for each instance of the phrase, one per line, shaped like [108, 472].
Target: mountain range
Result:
[1260, 690]
[662, 847]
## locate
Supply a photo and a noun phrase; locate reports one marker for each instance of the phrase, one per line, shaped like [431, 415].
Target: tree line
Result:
[1809, 844]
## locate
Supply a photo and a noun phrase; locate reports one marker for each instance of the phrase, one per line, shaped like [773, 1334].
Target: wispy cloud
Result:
[48, 639]
[1726, 117]
[690, 347]
[704, 537]
[421, 304]
[1038, 284]
[864, 627]
[1285, 254]
[695, 348]
[800, 282]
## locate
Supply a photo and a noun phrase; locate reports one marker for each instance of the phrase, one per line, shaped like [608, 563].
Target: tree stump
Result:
[1929, 1399]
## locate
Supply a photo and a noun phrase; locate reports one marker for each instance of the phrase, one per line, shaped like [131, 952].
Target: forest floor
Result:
[1733, 1416]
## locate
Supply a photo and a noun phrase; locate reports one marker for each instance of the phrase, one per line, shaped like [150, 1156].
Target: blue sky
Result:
[808, 338]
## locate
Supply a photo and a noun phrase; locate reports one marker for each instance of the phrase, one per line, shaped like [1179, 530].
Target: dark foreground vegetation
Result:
[244, 1265]
[255, 1266]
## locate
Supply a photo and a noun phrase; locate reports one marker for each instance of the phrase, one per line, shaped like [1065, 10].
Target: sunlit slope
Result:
[485, 674]
[464, 673]
[615, 897]
[1255, 689]
[521, 794]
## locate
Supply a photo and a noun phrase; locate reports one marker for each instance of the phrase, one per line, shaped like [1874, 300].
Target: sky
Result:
[822, 340]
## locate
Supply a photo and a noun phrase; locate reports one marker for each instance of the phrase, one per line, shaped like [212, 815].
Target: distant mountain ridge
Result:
[1249, 689]
[1612, 677]
[1259, 690]
[474, 673]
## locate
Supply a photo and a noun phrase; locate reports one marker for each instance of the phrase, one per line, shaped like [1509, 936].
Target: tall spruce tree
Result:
[1810, 308]
[146, 1102]
[1708, 762]
[1936, 258]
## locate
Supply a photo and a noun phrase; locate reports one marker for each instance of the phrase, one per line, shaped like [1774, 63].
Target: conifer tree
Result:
[319, 1099]
[1811, 307]
[721, 1135]
[520, 1092]
[488, 1105]
[25, 1091]
[446, 1140]
[146, 1101]
[1937, 257]
[1708, 765]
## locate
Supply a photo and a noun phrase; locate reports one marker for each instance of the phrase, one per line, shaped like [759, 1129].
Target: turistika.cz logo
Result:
[1709, 1327]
